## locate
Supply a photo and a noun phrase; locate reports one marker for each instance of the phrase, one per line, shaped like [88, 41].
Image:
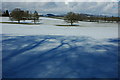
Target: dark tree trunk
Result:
[71, 23]
[18, 21]
[34, 21]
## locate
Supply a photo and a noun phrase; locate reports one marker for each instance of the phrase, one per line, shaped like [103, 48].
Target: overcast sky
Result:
[62, 7]
[60, 0]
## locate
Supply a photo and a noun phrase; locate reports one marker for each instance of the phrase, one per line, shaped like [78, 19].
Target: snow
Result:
[50, 51]
[48, 27]
[59, 57]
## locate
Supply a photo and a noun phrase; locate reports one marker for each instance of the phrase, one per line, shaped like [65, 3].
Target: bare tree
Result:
[71, 18]
[35, 17]
[17, 14]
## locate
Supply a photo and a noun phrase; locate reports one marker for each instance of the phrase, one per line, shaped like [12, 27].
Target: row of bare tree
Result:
[72, 17]
[18, 15]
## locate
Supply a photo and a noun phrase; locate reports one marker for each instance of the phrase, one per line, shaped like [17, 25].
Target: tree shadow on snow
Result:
[59, 57]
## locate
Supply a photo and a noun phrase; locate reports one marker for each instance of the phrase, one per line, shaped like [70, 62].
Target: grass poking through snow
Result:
[68, 25]
[20, 23]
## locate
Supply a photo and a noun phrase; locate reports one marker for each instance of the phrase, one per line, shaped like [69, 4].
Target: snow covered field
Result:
[50, 51]
[48, 27]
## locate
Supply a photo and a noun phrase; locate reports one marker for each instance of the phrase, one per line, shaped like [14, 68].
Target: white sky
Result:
[59, 0]
[99, 7]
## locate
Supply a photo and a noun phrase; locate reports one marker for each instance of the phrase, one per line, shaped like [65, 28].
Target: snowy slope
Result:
[49, 51]
[48, 27]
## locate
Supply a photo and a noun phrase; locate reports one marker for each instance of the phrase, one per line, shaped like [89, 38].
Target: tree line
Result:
[5, 13]
[18, 15]
[72, 17]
